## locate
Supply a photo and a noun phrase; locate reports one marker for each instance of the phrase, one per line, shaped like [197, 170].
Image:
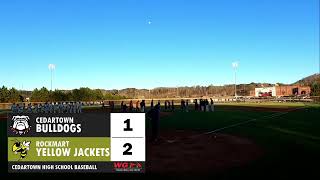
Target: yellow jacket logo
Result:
[21, 148]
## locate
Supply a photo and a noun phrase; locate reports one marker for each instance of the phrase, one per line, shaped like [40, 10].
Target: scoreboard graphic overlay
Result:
[86, 142]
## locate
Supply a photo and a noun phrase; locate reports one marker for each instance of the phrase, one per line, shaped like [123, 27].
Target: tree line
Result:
[200, 91]
[315, 88]
[10, 95]
[313, 81]
[189, 92]
[44, 95]
[87, 94]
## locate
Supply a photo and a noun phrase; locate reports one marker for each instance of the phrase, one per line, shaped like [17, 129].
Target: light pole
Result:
[235, 66]
[177, 91]
[51, 67]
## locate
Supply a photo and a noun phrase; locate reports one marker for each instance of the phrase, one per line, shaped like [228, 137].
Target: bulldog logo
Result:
[20, 124]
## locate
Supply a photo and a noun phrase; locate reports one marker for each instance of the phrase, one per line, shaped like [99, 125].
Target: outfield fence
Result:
[315, 98]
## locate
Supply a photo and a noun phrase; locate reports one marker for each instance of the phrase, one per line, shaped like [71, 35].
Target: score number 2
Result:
[128, 146]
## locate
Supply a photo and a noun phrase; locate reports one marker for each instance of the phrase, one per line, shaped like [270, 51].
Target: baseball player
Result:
[154, 114]
[165, 105]
[42, 108]
[51, 107]
[70, 107]
[46, 107]
[121, 106]
[29, 109]
[151, 105]
[38, 108]
[131, 106]
[55, 107]
[80, 107]
[60, 107]
[187, 105]
[76, 107]
[14, 108]
[20, 108]
[64, 107]
[112, 106]
[211, 105]
[137, 106]
[142, 105]
[172, 105]
[196, 104]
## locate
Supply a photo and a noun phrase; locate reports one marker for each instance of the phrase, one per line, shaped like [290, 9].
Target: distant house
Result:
[281, 90]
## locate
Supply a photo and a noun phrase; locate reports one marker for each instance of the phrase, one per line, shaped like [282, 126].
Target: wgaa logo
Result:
[127, 166]
[20, 124]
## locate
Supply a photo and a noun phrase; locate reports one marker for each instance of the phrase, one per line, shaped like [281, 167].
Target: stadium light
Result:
[235, 65]
[177, 91]
[51, 67]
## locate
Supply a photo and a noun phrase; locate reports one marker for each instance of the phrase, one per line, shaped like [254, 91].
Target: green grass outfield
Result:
[291, 142]
[268, 104]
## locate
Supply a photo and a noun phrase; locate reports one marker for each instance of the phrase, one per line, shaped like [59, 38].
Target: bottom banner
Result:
[87, 167]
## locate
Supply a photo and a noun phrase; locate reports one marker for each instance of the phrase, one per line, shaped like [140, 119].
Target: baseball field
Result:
[265, 140]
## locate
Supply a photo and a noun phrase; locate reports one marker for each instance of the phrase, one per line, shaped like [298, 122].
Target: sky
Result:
[115, 44]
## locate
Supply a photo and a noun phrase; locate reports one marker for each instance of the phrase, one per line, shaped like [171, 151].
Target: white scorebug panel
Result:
[127, 135]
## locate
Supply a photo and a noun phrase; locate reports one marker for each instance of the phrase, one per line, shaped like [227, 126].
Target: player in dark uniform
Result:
[142, 105]
[124, 108]
[187, 105]
[137, 106]
[154, 114]
[112, 106]
[201, 105]
[151, 105]
[131, 106]
[183, 105]
[172, 105]
[103, 106]
[121, 106]
[196, 106]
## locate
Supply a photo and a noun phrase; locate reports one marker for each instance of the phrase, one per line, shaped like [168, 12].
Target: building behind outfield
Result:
[290, 90]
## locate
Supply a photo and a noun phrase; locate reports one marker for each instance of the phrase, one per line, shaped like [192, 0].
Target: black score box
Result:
[88, 142]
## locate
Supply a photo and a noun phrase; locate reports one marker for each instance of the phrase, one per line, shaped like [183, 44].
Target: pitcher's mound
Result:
[188, 152]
